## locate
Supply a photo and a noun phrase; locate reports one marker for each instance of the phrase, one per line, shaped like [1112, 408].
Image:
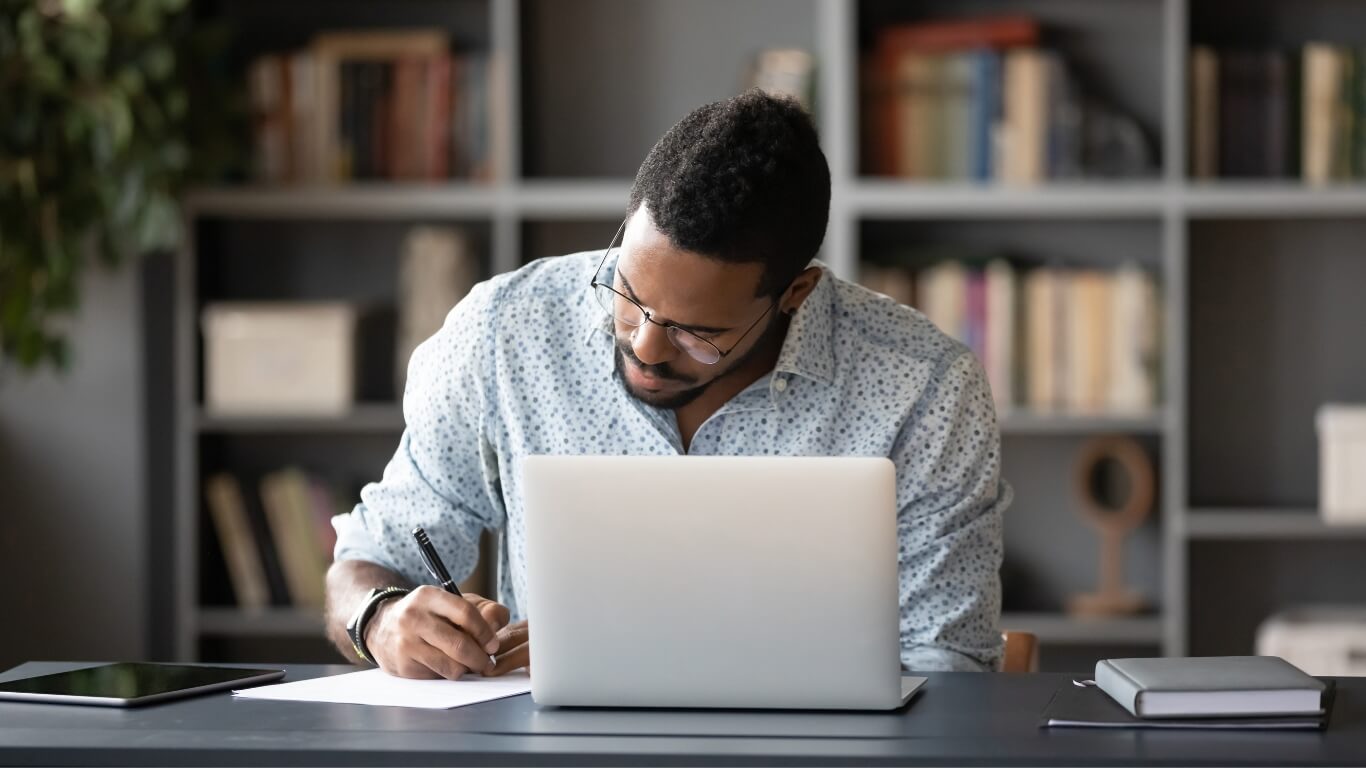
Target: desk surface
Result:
[958, 718]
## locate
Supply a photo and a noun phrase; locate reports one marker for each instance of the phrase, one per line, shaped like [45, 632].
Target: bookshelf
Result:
[585, 87]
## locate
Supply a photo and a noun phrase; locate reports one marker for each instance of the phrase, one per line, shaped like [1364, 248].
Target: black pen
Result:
[433, 562]
[437, 568]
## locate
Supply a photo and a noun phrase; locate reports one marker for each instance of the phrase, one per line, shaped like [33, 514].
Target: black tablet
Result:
[129, 684]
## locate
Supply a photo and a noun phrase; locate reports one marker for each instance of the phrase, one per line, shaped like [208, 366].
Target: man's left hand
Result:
[514, 650]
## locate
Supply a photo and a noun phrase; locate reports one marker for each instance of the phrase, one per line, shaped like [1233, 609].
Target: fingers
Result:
[516, 652]
[462, 613]
[439, 664]
[495, 614]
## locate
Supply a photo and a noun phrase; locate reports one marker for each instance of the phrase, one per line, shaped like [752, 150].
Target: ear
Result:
[800, 288]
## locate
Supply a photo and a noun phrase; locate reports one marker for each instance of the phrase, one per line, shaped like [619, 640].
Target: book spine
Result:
[956, 99]
[1025, 116]
[986, 112]
[1321, 83]
[1204, 64]
[1344, 115]
[1275, 114]
[1119, 686]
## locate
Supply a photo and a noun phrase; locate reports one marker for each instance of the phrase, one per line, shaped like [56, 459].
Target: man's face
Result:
[713, 299]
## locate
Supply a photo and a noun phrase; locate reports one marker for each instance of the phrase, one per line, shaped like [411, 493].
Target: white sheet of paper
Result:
[375, 687]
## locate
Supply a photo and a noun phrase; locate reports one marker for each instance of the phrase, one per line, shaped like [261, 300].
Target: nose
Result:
[651, 344]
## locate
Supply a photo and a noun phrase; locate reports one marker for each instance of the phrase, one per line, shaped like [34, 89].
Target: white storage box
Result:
[1321, 640]
[1342, 463]
[279, 358]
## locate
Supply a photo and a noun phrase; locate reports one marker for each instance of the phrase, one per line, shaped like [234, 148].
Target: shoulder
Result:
[874, 331]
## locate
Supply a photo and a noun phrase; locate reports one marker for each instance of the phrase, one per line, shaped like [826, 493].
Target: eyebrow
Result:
[694, 328]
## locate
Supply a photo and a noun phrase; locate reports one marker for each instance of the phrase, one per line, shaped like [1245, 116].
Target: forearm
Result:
[348, 581]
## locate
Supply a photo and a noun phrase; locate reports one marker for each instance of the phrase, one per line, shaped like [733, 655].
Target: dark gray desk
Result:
[958, 719]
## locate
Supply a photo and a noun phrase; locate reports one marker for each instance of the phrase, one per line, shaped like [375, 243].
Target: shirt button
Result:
[780, 385]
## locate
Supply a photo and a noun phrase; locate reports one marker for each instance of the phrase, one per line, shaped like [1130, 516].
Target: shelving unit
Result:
[587, 86]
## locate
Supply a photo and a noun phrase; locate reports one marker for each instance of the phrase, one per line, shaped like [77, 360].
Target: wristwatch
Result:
[355, 628]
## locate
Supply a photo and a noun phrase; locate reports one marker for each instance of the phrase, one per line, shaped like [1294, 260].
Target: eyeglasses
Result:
[628, 311]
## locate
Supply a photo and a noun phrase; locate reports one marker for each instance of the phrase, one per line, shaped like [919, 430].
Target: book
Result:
[1323, 75]
[999, 358]
[1134, 334]
[1088, 334]
[1025, 125]
[1078, 705]
[942, 296]
[900, 73]
[286, 497]
[1204, 113]
[228, 511]
[1042, 291]
[1216, 686]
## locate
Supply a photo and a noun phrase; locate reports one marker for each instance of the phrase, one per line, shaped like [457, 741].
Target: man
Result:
[708, 331]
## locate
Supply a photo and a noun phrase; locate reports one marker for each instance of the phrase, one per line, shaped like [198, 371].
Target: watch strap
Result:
[366, 612]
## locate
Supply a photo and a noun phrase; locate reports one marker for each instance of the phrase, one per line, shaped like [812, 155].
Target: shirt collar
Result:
[808, 350]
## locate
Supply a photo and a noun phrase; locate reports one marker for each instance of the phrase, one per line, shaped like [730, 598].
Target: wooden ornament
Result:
[1113, 524]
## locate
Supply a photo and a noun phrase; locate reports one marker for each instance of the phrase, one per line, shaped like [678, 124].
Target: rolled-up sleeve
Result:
[949, 530]
[444, 475]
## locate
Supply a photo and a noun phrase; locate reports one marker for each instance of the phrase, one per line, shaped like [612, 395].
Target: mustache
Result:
[659, 370]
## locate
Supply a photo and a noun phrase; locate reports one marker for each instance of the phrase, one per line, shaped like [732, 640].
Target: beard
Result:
[690, 389]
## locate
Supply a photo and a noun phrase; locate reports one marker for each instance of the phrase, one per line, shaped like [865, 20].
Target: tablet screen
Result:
[129, 682]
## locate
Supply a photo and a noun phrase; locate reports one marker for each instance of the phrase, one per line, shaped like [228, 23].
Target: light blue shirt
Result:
[524, 366]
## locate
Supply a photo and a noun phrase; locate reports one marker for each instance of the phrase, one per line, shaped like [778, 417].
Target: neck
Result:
[733, 382]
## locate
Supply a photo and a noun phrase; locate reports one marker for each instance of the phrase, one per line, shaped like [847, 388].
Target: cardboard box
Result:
[1321, 640]
[282, 358]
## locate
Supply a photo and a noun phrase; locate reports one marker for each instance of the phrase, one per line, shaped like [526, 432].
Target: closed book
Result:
[1275, 94]
[1358, 106]
[1089, 332]
[1041, 296]
[942, 296]
[288, 504]
[1344, 116]
[955, 103]
[1322, 86]
[913, 119]
[1000, 332]
[1215, 686]
[984, 113]
[245, 568]
[1025, 123]
[1204, 116]
[1077, 705]
[1134, 353]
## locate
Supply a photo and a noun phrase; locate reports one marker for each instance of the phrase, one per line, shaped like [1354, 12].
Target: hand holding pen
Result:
[443, 579]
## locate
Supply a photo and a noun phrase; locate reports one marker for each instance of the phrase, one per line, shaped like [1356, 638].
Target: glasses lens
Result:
[619, 307]
[699, 349]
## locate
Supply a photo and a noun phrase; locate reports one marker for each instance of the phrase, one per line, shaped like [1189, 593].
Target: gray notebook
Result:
[1211, 686]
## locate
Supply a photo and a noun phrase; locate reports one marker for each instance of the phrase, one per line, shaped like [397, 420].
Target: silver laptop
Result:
[680, 581]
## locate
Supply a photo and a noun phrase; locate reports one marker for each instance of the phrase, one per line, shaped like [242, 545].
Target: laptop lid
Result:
[675, 581]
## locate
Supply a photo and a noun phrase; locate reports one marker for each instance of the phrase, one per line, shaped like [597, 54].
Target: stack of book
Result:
[980, 100]
[1278, 114]
[371, 105]
[277, 546]
[1049, 338]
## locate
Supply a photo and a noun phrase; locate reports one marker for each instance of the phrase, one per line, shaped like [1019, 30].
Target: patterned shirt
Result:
[524, 365]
